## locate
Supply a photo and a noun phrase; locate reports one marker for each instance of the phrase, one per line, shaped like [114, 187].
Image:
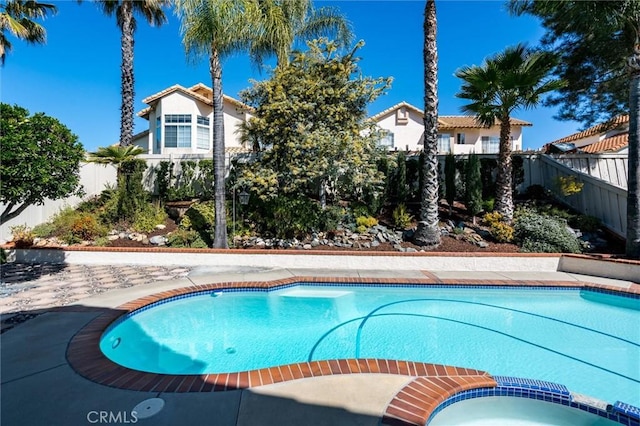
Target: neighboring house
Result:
[609, 137]
[181, 121]
[403, 129]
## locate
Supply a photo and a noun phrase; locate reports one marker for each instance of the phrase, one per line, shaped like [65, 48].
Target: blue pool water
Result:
[588, 341]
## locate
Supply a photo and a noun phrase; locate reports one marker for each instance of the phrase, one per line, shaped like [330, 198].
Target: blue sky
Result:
[75, 77]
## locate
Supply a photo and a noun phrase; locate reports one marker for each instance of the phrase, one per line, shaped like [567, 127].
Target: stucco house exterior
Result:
[609, 137]
[459, 134]
[181, 121]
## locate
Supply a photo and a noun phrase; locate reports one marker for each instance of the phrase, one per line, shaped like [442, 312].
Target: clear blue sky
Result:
[75, 77]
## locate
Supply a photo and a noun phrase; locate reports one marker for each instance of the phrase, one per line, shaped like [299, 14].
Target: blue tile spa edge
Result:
[554, 393]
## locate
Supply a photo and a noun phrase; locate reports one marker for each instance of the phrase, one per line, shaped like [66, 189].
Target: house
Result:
[181, 121]
[403, 129]
[609, 137]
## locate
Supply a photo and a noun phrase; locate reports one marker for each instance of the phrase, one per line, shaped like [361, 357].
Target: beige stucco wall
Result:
[179, 103]
[404, 135]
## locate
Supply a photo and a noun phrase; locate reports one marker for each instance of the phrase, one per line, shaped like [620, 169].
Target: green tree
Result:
[402, 189]
[310, 121]
[40, 159]
[450, 179]
[428, 231]
[283, 22]
[599, 45]
[125, 11]
[516, 78]
[17, 17]
[473, 186]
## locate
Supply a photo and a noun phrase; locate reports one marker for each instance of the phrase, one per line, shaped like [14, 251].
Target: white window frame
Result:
[180, 125]
[202, 139]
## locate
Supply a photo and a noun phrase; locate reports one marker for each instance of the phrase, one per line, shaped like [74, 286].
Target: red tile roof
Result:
[610, 144]
[596, 130]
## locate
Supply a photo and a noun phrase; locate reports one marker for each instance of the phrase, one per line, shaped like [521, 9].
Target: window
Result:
[444, 143]
[202, 141]
[490, 144]
[386, 139]
[177, 129]
[460, 138]
[158, 133]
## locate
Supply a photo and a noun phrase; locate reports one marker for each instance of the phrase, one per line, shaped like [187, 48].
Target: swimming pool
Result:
[586, 340]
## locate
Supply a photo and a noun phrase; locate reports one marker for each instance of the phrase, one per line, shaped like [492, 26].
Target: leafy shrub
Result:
[132, 195]
[366, 221]
[200, 217]
[286, 217]
[186, 238]
[164, 174]
[44, 230]
[401, 218]
[22, 236]
[85, 226]
[488, 204]
[73, 226]
[331, 218]
[568, 185]
[150, 216]
[542, 234]
[501, 231]
[473, 185]
[586, 223]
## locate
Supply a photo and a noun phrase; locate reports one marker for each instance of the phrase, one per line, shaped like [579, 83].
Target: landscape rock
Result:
[158, 240]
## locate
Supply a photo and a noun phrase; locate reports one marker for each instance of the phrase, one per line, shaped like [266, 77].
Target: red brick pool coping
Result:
[432, 384]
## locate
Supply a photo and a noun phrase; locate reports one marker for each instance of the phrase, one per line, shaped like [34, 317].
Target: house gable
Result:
[181, 120]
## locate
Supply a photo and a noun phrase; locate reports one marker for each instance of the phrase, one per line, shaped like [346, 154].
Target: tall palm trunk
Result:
[428, 232]
[220, 236]
[126, 71]
[633, 197]
[504, 193]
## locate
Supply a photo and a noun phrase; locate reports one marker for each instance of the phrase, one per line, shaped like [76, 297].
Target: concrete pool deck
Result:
[39, 386]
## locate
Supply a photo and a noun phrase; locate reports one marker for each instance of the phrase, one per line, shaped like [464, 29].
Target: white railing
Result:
[613, 168]
[597, 198]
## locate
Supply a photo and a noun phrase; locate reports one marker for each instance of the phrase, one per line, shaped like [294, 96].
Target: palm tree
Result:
[17, 17]
[515, 78]
[216, 29]
[124, 11]
[428, 231]
[115, 155]
[284, 21]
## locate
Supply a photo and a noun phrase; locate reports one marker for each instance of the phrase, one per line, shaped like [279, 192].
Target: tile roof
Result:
[596, 130]
[469, 121]
[610, 144]
[199, 92]
[447, 121]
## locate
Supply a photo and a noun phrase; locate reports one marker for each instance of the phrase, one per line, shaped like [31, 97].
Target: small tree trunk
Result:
[220, 235]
